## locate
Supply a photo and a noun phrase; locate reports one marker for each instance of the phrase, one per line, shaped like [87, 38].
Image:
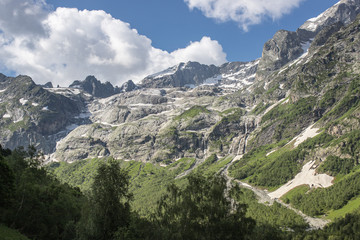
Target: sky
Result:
[117, 40]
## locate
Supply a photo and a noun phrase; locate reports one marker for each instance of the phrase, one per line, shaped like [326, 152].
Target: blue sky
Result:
[64, 40]
[171, 25]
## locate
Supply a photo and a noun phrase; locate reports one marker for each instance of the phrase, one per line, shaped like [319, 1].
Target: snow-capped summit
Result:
[344, 11]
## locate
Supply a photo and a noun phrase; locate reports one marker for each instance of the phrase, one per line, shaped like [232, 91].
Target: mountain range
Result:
[284, 121]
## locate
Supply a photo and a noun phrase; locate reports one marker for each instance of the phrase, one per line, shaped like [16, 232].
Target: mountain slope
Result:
[286, 120]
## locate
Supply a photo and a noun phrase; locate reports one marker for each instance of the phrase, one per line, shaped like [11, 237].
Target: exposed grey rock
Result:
[184, 74]
[47, 85]
[231, 76]
[284, 47]
[128, 86]
[287, 46]
[33, 115]
[344, 11]
[156, 121]
[94, 87]
[324, 35]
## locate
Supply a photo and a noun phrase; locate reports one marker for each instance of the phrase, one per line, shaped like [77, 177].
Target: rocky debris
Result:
[94, 87]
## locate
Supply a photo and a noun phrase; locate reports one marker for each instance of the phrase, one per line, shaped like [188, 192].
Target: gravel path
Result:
[265, 197]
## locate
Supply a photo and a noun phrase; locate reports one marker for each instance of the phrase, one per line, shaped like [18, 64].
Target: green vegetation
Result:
[350, 207]
[232, 115]
[288, 118]
[81, 173]
[10, 234]
[320, 201]
[275, 215]
[108, 211]
[343, 228]
[335, 165]
[352, 145]
[300, 190]
[290, 112]
[193, 207]
[42, 208]
[349, 144]
[347, 104]
[213, 165]
[34, 203]
[192, 112]
[260, 108]
[147, 181]
[273, 170]
[200, 210]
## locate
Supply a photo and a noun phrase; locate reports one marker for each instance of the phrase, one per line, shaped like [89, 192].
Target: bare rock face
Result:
[32, 115]
[287, 46]
[94, 87]
[234, 76]
[184, 74]
[284, 47]
[324, 34]
[128, 86]
[344, 11]
[188, 110]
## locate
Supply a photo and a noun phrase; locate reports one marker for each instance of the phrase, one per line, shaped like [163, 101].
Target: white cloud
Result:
[244, 12]
[68, 44]
[22, 17]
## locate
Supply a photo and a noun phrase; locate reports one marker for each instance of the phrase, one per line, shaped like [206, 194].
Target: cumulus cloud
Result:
[68, 44]
[22, 17]
[244, 12]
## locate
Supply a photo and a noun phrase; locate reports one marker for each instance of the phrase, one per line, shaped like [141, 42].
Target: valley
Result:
[282, 130]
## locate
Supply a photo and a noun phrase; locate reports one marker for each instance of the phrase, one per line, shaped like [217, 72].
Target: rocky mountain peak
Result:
[128, 86]
[96, 88]
[183, 74]
[344, 11]
[287, 46]
[48, 85]
[282, 48]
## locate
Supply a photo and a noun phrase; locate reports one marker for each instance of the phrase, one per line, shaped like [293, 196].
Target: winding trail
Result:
[265, 198]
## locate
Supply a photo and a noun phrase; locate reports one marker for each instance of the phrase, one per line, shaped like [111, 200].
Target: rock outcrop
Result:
[96, 88]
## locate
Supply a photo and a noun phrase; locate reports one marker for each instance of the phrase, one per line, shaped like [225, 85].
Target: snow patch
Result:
[3, 90]
[310, 132]
[75, 91]
[35, 104]
[6, 115]
[307, 176]
[19, 120]
[306, 45]
[164, 73]
[45, 108]
[23, 101]
[212, 81]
